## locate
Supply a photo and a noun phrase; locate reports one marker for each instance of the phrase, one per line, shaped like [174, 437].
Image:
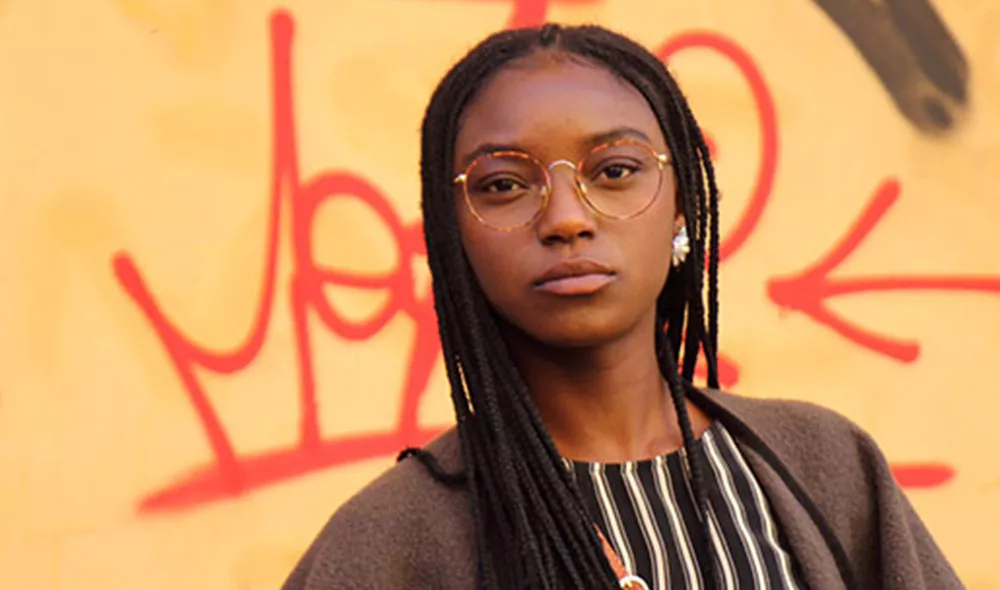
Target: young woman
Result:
[569, 207]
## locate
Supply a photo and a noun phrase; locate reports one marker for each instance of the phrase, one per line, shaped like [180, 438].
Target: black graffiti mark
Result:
[914, 55]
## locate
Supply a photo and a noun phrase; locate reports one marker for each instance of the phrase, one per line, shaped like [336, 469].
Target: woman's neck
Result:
[607, 403]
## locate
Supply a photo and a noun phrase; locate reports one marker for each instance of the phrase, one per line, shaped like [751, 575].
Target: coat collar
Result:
[752, 423]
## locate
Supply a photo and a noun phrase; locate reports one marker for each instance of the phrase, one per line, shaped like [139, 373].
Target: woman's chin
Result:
[578, 334]
[569, 327]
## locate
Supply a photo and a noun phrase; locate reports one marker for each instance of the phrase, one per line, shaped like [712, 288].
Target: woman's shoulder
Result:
[846, 477]
[785, 418]
[408, 490]
[404, 529]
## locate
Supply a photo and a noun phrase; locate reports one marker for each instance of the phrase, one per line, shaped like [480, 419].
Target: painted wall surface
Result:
[214, 313]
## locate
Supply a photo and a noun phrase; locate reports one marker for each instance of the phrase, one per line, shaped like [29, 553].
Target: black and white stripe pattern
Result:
[648, 513]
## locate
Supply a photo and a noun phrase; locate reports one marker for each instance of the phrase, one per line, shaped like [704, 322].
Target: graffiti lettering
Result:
[231, 474]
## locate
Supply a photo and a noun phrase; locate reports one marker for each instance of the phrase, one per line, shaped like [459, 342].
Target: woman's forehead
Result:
[558, 104]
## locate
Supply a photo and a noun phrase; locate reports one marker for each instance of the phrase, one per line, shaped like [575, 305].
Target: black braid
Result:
[532, 530]
[712, 344]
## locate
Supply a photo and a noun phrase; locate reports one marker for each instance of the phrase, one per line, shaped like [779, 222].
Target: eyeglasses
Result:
[507, 190]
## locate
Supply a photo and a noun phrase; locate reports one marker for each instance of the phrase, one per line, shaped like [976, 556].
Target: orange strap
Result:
[627, 580]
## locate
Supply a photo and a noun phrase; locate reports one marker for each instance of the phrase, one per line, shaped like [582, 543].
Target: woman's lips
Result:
[575, 276]
[585, 284]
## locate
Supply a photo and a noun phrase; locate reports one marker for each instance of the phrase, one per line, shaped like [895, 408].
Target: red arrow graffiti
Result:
[808, 291]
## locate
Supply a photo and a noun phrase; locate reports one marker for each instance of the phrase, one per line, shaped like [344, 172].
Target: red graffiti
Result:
[923, 475]
[808, 290]
[767, 120]
[768, 162]
[231, 473]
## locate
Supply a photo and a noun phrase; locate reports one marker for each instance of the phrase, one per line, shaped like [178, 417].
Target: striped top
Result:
[647, 511]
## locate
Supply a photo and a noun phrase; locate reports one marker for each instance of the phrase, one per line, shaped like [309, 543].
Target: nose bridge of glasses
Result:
[562, 162]
[574, 178]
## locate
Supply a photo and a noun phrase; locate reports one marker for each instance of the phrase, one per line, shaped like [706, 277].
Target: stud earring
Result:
[682, 246]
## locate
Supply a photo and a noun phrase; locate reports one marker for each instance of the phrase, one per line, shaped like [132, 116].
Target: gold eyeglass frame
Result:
[661, 159]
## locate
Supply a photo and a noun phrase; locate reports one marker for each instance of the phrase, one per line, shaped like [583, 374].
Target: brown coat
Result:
[847, 522]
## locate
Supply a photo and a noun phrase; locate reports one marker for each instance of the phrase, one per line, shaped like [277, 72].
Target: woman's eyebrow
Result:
[590, 141]
[617, 133]
[488, 148]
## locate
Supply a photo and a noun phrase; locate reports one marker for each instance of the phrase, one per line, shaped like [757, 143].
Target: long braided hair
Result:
[532, 529]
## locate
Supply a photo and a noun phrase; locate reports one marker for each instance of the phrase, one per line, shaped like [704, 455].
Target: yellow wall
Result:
[137, 201]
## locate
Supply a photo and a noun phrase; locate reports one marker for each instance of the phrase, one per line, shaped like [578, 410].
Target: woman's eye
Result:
[617, 171]
[502, 185]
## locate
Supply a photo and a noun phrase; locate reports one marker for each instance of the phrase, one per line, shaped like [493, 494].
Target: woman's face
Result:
[572, 277]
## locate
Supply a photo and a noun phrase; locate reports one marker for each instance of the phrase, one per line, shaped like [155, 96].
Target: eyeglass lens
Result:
[508, 189]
